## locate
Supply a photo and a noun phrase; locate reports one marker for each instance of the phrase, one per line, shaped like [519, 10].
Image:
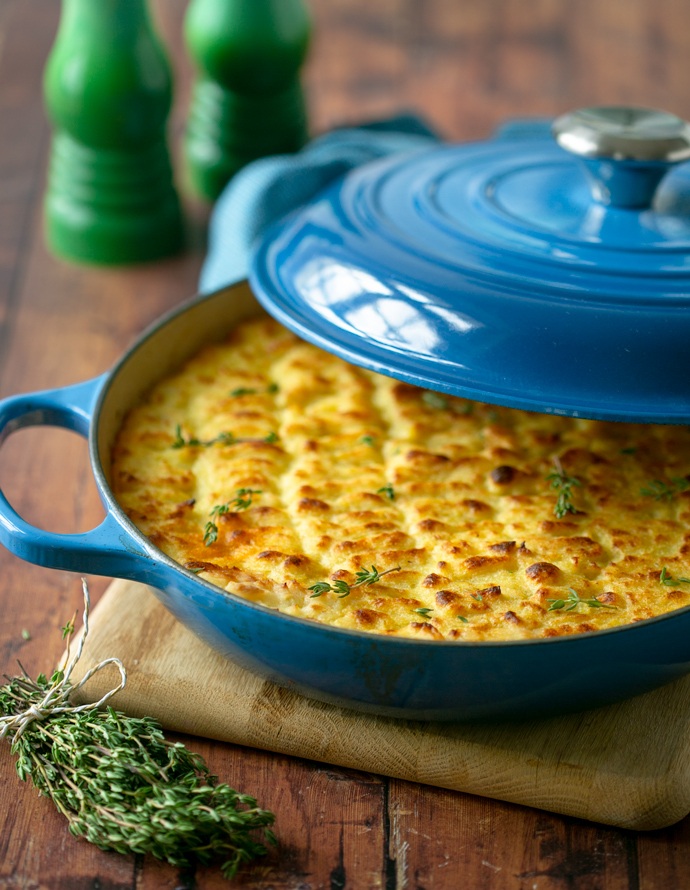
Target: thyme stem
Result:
[563, 484]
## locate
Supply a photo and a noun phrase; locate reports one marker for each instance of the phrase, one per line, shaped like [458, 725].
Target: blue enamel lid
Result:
[551, 274]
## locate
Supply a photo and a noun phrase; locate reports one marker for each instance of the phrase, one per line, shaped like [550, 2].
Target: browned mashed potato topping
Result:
[268, 466]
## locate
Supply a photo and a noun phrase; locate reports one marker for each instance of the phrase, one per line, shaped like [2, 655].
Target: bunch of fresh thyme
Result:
[117, 780]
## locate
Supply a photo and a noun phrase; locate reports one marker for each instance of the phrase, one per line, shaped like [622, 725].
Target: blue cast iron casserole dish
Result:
[384, 675]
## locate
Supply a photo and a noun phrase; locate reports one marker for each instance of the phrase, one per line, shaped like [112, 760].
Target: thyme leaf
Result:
[180, 441]
[244, 498]
[271, 389]
[68, 629]
[669, 580]
[563, 484]
[662, 491]
[342, 588]
[223, 439]
[241, 501]
[210, 533]
[366, 577]
[424, 611]
[366, 440]
[387, 490]
[631, 450]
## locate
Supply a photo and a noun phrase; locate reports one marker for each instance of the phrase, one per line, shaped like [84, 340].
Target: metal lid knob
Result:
[626, 151]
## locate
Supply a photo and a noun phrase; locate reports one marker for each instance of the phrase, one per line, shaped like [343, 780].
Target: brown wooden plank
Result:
[441, 838]
[23, 137]
[663, 857]
[327, 820]
[341, 92]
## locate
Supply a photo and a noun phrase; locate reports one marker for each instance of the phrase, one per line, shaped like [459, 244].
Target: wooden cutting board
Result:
[626, 765]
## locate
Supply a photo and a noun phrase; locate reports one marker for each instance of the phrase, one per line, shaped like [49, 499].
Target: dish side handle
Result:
[108, 549]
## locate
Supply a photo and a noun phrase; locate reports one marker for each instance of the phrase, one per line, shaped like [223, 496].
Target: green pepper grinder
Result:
[247, 100]
[108, 89]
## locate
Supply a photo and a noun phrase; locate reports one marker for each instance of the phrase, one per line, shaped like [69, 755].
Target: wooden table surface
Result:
[465, 64]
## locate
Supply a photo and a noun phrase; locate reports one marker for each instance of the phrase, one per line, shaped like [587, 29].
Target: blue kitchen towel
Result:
[269, 188]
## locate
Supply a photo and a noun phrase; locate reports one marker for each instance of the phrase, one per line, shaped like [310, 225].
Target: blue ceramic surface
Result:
[397, 677]
[490, 271]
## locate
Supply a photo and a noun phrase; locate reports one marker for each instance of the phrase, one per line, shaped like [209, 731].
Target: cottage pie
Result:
[285, 475]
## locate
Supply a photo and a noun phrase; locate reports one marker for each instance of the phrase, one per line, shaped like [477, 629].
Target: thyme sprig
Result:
[669, 580]
[363, 577]
[563, 484]
[181, 442]
[117, 780]
[241, 501]
[573, 600]
[662, 491]
[221, 439]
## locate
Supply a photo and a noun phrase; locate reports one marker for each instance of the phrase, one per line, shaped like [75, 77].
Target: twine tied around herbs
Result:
[118, 781]
[56, 699]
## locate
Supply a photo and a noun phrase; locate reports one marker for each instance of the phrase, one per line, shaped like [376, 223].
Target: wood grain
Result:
[465, 66]
[438, 835]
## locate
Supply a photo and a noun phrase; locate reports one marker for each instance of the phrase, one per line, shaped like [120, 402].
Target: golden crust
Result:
[358, 470]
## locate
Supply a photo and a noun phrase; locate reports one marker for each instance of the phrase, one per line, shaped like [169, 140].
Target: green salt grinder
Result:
[108, 88]
[247, 100]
